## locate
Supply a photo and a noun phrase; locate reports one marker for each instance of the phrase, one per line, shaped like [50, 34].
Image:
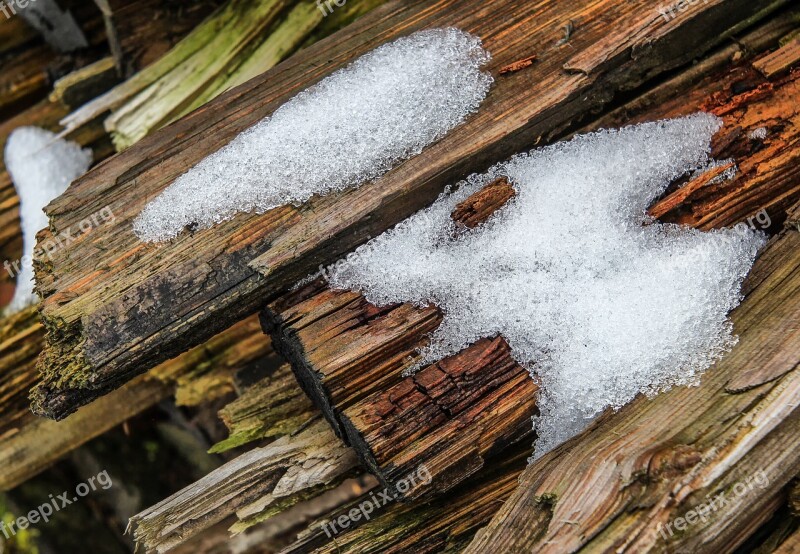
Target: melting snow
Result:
[351, 127]
[599, 301]
[41, 166]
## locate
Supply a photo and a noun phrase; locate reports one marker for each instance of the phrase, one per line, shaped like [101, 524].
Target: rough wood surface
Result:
[446, 524]
[269, 408]
[144, 303]
[349, 354]
[29, 444]
[781, 60]
[288, 467]
[679, 451]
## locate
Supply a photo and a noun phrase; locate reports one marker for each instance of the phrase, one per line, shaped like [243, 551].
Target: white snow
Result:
[41, 166]
[599, 301]
[351, 127]
[759, 133]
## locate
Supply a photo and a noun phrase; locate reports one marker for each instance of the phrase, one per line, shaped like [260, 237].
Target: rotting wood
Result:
[311, 459]
[269, 408]
[780, 61]
[349, 355]
[164, 299]
[29, 444]
[478, 207]
[446, 524]
[678, 450]
[450, 416]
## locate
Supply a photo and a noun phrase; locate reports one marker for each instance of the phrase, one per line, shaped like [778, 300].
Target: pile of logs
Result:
[297, 391]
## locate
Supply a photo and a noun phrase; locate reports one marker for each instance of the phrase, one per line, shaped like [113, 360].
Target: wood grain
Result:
[140, 304]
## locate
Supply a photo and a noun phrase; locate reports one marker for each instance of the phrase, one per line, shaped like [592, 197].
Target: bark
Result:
[145, 303]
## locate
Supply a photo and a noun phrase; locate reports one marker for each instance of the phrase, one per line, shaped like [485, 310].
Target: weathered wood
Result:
[346, 351]
[249, 38]
[269, 408]
[311, 459]
[781, 60]
[449, 417]
[678, 451]
[445, 525]
[145, 303]
[29, 444]
[478, 207]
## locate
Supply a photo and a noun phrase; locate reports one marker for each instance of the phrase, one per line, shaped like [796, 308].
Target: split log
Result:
[146, 303]
[445, 525]
[680, 450]
[449, 417]
[349, 355]
[279, 473]
[29, 444]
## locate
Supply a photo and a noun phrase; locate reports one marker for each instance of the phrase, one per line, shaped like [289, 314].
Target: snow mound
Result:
[41, 166]
[351, 127]
[596, 299]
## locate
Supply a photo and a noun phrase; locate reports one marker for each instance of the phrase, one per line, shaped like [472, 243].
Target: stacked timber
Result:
[330, 444]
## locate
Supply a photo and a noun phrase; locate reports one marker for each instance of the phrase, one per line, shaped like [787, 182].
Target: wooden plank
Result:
[143, 303]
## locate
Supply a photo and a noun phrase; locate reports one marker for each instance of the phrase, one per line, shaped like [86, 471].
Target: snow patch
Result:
[41, 166]
[351, 127]
[596, 299]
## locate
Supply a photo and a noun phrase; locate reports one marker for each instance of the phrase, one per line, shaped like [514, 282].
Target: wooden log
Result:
[445, 525]
[450, 416]
[680, 451]
[348, 356]
[311, 460]
[29, 444]
[164, 299]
